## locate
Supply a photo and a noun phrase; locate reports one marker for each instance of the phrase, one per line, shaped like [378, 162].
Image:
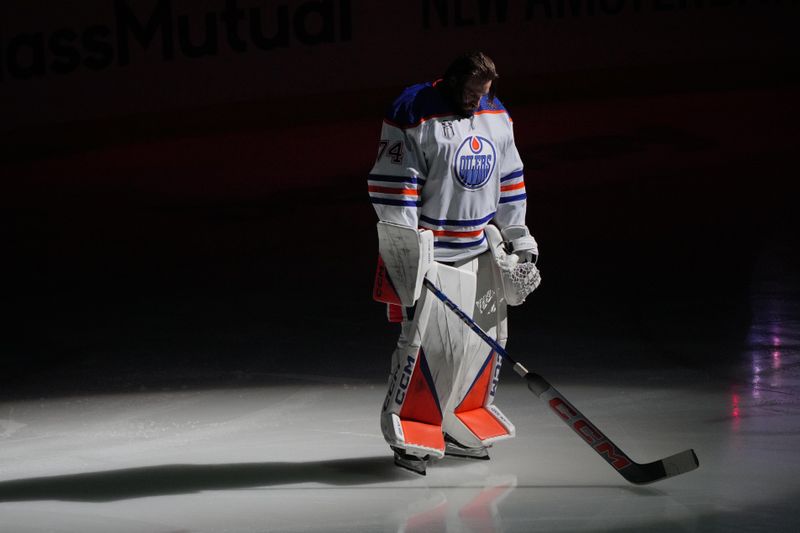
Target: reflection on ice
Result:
[774, 339]
[310, 457]
[735, 411]
[460, 508]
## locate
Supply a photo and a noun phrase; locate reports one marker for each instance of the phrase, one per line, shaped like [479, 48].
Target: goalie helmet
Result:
[518, 279]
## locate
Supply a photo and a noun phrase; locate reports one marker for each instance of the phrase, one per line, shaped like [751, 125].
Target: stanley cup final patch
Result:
[474, 162]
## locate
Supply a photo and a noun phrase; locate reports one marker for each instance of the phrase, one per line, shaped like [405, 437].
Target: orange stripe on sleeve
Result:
[393, 190]
[506, 188]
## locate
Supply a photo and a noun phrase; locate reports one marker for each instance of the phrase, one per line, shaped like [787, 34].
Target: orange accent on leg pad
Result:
[422, 434]
[420, 403]
[382, 289]
[477, 394]
[482, 423]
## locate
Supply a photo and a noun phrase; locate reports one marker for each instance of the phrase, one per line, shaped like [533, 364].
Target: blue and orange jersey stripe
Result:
[517, 198]
[400, 191]
[448, 233]
[458, 244]
[412, 180]
[512, 187]
[457, 222]
[514, 175]
[459, 234]
[393, 190]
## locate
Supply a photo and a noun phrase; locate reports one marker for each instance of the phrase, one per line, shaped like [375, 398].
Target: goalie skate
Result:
[454, 449]
[410, 462]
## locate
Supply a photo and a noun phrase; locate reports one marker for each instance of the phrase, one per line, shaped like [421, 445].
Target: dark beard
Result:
[457, 107]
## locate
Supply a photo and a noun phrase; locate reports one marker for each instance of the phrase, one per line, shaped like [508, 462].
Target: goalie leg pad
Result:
[411, 417]
[467, 373]
[476, 422]
[444, 378]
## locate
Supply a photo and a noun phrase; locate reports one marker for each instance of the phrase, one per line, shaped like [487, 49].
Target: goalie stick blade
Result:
[671, 466]
[639, 474]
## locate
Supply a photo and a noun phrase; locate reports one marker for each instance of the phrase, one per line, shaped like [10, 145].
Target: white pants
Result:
[444, 376]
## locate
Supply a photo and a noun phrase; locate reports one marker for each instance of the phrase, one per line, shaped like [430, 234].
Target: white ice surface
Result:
[307, 455]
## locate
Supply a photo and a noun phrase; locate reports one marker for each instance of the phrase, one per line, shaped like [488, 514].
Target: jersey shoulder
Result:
[493, 106]
[416, 104]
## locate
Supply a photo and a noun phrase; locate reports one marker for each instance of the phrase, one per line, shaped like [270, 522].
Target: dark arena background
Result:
[189, 341]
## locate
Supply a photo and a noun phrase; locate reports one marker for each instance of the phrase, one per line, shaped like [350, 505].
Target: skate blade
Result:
[456, 455]
[461, 453]
[417, 467]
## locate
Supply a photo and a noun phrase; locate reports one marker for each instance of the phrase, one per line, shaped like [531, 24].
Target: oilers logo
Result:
[474, 162]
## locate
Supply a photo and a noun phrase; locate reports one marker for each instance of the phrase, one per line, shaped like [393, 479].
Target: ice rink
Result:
[303, 452]
[179, 359]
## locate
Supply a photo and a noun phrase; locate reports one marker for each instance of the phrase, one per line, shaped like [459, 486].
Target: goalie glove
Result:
[521, 242]
[519, 278]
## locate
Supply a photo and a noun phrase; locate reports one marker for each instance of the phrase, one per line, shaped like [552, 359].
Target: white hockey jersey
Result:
[447, 173]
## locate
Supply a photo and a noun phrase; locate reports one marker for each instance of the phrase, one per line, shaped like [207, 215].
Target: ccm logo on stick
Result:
[590, 434]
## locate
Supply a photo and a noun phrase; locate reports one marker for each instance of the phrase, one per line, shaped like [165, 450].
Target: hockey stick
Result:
[639, 474]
